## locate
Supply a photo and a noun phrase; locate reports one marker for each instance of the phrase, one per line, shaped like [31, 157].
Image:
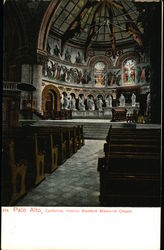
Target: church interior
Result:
[81, 103]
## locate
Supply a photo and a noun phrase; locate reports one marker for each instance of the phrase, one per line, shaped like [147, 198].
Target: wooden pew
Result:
[18, 173]
[74, 135]
[141, 140]
[68, 137]
[47, 145]
[26, 148]
[58, 141]
[80, 135]
[132, 141]
[64, 137]
[133, 147]
[133, 134]
[131, 130]
[24, 164]
[13, 174]
[130, 172]
[129, 180]
[138, 141]
[29, 145]
[130, 163]
[75, 138]
[129, 190]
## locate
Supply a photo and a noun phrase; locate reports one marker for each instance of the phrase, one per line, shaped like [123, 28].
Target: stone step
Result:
[95, 132]
[93, 129]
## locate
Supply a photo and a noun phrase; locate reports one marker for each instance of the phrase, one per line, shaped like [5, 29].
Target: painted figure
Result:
[54, 69]
[143, 74]
[56, 51]
[67, 55]
[78, 58]
[48, 48]
[49, 72]
[79, 78]
[138, 76]
[58, 72]
[86, 77]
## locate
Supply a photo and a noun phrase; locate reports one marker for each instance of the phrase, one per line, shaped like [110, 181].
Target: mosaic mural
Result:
[70, 67]
[73, 75]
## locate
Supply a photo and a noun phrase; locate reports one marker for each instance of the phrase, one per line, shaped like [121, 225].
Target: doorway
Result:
[51, 101]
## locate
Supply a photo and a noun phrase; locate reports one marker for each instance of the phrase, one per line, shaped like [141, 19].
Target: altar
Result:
[119, 114]
[93, 114]
[114, 114]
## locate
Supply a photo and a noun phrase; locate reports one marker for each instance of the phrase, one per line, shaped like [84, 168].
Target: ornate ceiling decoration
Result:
[108, 22]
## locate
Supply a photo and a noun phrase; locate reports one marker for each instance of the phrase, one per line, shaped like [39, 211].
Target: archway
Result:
[50, 101]
[46, 24]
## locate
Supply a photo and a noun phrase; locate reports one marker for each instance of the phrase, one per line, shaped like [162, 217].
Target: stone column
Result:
[32, 74]
[37, 82]
[26, 73]
[114, 98]
[25, 78]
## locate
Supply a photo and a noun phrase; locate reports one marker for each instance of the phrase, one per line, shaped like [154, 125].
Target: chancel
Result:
[87, 130]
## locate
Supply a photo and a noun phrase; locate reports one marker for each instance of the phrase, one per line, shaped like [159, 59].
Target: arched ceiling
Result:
[101, 22]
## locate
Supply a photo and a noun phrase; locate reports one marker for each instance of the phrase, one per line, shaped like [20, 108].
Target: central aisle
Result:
[74, 183]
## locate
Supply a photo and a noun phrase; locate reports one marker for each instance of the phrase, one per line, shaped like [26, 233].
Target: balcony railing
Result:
[11, 86]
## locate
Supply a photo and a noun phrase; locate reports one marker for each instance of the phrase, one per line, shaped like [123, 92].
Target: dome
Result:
[97, 23]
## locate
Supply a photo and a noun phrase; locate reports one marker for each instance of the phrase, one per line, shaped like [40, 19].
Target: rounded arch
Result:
[100, 96]
[125, 56]
[108, 95]
[106, 60]
[81, 94]
[47, 89]
[64, 93]
[46, 24]
[72, 94]
[90, 95]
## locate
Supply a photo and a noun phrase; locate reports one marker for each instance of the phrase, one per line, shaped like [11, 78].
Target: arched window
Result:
[99, 73]
[129, 71]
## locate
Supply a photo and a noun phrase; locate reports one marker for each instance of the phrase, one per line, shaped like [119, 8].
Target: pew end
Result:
[18, 175]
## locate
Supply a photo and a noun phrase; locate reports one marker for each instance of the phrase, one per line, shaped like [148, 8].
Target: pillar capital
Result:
[41, 56]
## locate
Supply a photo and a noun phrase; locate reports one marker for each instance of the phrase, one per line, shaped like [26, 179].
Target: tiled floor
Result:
[75, 183]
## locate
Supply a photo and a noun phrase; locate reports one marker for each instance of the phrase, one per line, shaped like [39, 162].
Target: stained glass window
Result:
[129, 71]
[99, 73]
